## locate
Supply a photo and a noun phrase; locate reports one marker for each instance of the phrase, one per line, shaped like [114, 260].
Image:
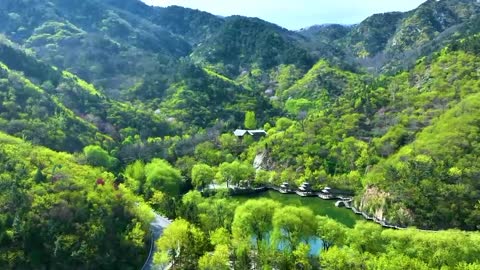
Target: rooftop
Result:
[243, 132]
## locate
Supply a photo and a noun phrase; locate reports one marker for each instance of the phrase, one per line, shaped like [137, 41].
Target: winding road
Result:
[157, 226]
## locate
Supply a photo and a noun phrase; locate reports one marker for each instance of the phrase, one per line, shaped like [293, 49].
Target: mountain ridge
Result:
[149, 97]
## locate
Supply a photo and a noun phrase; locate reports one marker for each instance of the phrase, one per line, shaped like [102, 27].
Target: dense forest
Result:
[113, 112]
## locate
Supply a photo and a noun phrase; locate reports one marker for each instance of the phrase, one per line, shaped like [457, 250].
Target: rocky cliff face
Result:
[263, 161]
[377, 203]
[373, 202]
[259, 161]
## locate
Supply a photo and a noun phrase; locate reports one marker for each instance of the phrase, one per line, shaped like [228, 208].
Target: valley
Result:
[115, 113]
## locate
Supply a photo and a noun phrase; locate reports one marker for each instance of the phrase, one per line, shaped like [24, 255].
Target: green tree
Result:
[235, 173]
[366, 237]
[39, 177]
[137, 235]
[250, 120]
[344, 258]
[253, 220]
[302, 257]
[221, 236]
[218, 260]
[299, 108]
[160, 175]
[97, 156]
[216, 213]
[181, 244]
[263, 177]
[135, 174]
[207, 153]
[202, 175]
[229, 143]
[396, 261]
[190, 206]
[292, 225]
[331, 232]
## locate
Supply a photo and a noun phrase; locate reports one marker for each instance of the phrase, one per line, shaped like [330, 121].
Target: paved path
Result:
[157, 226]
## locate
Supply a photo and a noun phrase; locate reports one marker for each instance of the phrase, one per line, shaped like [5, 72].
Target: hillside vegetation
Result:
[112, 109]
[57, 213]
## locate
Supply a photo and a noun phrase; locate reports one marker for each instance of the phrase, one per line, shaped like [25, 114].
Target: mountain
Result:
[108, 46]
[430, 20]
[129, 49]
[145, 100]
[116, 44]
[426, 123]
[202, 72]
[56, 211]
[372, 35]
[242, 44]
[57, 109]
[393, 41]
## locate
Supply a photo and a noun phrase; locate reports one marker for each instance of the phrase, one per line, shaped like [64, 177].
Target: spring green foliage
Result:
[417, 165]
[386, 110]
[181, 245]
[404, 249]
[388, 145]
[311, 86]
[200, 97]
[159, 175]
[389, 134]
[332, 232]
[292, 228]
[250, 120]
[55, 208]
[220, 259]
[235, 173]
[135, 174]
[96, 156]
[202, 175]
[119, 38]
[27, 111]
[265, 234]
[254, 219]
[63, 112]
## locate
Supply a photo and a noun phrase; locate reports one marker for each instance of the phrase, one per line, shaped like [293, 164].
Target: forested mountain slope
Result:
[59, 110]
[109, 47]
[339, 138]
[393, 41]
[434, 180]
[131, 51]
[59, 214]
[386, 110]
[28, 111]
[242, 44]
[338, 123]
[116, 44]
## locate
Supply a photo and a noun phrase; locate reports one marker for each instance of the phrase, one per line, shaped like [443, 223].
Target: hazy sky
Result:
[296, 14]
